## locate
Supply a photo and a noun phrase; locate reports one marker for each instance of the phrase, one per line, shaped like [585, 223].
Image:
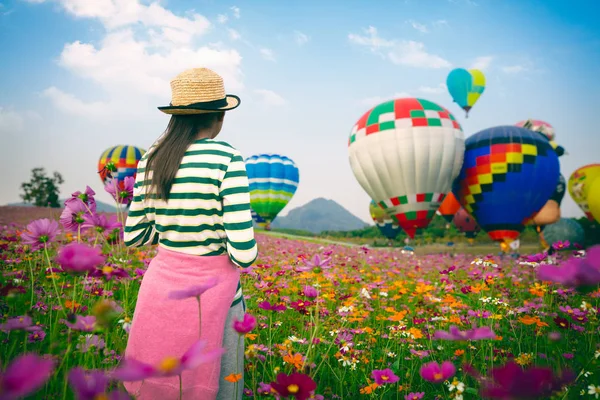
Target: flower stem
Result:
[237, 364]
[180, 388]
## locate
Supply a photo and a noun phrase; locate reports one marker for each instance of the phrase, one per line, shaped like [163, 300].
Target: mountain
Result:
[320, 215]
[100, 206]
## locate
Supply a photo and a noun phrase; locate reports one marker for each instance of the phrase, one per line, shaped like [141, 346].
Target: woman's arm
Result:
[140, 229]
[237, 219]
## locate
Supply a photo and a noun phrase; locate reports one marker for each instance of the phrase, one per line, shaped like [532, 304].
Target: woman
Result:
[191, 198]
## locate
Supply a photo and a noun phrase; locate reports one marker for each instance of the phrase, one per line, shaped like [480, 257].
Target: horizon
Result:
[95, 73]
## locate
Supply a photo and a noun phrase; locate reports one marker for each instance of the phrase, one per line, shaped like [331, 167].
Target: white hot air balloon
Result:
[405, 153]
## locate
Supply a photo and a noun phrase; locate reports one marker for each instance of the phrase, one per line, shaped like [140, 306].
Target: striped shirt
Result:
[208, 212]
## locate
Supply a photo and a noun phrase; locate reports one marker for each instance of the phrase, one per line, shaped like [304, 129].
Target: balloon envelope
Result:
[550, 213]
[387, 226]
[465, 87]
[538, 126]
[466, 224]
[273, 180]
[258, 220]
[405, 154]
[125, 159]
[508, 174]
[593, 200]
[562, 230]
[449, 207]
[579, 185]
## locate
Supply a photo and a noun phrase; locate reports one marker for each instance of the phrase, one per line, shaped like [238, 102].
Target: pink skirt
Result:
[162, 327]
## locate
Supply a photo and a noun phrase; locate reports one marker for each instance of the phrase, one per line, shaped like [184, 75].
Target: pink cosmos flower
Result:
[23, 322]
[100, 222]
[316, 262]
[435, 373]
[454, 333]
[246, 325]
[80, 258]
[194, 291]
[86, 197]
[414, 396]
[72, 215]
[84, 324]
[121, 191]
[25, 375]
[39, 233]
[384, 376]
[575, 272]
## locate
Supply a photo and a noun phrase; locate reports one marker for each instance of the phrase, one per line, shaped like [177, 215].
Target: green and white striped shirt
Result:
[208, 212]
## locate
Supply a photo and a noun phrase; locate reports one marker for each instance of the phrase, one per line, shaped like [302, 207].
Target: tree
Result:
[42, 190]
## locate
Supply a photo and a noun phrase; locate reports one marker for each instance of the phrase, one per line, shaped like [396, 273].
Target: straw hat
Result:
[198, 91]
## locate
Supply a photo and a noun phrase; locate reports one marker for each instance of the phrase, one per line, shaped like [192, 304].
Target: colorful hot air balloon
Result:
[465, 87]
[565, 229]
[593, 200]
[579, 185]
[405, 154]
[508, 174]
[550, 212]
[449, 207]
[119, 162]
[273, 180]
[384, 222]
[538, 126]
[466, 224]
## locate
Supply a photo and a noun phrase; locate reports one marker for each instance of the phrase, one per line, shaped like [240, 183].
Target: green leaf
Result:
[471, 390]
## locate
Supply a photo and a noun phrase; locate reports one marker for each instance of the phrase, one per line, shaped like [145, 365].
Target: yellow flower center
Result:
[107, 270]
[293, 388]
[168, 364]
[437, 376]
[385, 378]
[101, 396]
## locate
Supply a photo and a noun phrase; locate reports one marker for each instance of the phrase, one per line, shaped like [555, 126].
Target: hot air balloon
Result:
[405, 154]
[119, 162]
[538, 126]
[466, 224]
[550, 212]
[385, 223]
[593, 200]
[449, 207]
[465, 87]
[273, 180]
[258, 220]
[565, 229]
[507, 176]
[579, 185]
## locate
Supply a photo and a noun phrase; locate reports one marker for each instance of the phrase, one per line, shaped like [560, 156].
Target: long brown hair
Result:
[165, 159]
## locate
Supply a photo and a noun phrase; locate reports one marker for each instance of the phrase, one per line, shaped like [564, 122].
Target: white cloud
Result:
[70, 104]
[375, 100]
[12, 121]
[420, 27]
[441, 88]
[222, 18]
[267, 54]
[439, 23]
[482, 63]
[514, 69]
[236, 12]
[401, 52]
[300, 38]
[270, 98]
[233, 34]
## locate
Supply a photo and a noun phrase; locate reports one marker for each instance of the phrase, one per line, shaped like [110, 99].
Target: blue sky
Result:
[77, 77]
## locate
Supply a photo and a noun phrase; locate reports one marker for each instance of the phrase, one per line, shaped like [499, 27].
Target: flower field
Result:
[332, 322]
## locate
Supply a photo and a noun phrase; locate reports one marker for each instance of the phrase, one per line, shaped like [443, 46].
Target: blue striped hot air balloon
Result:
[273, 180]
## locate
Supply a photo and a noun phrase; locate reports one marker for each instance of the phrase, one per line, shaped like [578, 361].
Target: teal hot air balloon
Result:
[565, 229]
[384, 222]
[273, 180]
[465, 87]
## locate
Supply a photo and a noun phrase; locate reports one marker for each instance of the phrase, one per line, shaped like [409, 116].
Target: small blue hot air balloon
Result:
[507, 176]
[565, 229]
[465, 87]
[273, 180]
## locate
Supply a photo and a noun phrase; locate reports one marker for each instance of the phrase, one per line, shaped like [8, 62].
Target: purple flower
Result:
[384, 376]
[454, 333]
[121, 191]
[316, 262]
[88, 385]
[133, 370]
[84, 324]
[79, 258]
[39, 233]
[561, 245]
[246, 325]
[414, 396]
[575, 272]
[25, 375]
[87, 198]
[72, 216]
[100, 222]
[436, 373]
[265, 305]
[23, 322]
[36, 336]
[194, 291]
[310, 292]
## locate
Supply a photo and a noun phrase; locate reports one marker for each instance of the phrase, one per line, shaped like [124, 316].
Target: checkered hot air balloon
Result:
[387, 226]
[405, 153]
[507, 176]
[449, 207]
[579, 186]
[119, 162]
[273, 180]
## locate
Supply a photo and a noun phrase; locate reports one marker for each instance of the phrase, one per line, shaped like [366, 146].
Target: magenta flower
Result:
[25, 375]
[296, 385]
[454, 333]
[265, 305]
[80, 258]
[133, 370]
[575, 272]
[36, 336]
[39, 233]
[560, 245]
[194, 291]
[87, 198]
[100, 222]
[72, 216]
[383, 376]
[246, 325]
[435, 373]
[316, 262]
[92, 385]
[23, 322]
[310, 292]
[414, 396]
[84, 324]
[121, 191]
